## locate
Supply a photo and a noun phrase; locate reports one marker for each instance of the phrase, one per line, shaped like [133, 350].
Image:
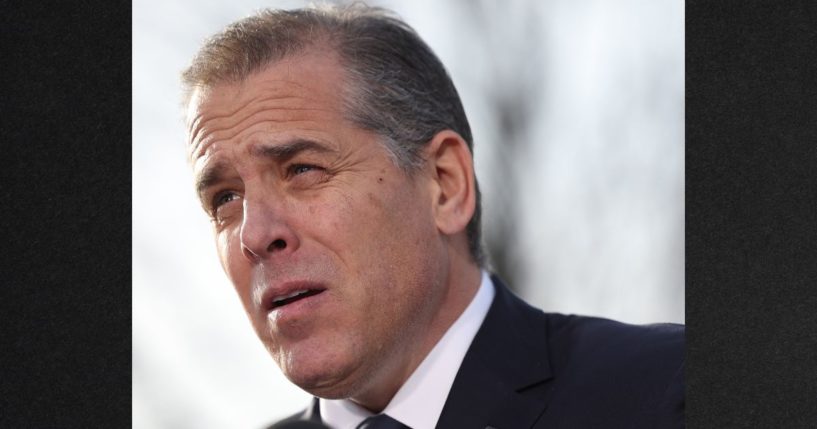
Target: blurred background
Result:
[577, 111]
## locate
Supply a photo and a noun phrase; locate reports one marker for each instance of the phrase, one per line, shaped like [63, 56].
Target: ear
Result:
[453, 192]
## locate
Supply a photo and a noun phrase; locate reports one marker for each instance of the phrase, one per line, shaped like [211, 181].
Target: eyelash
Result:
[218, 199]
[294, 169]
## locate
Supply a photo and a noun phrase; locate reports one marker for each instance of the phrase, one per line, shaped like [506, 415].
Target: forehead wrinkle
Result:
[272, 96]
[202, 138]
[285, 79]
[261, 107]
[199, 121]
[199, 134]
[271, 90]
[220, 135]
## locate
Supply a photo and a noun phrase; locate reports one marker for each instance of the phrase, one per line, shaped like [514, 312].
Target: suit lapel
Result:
[503, 380]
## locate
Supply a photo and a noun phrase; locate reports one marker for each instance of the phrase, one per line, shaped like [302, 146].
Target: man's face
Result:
[332, 248]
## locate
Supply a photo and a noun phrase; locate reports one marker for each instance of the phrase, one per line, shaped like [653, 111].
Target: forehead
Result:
[302, 91]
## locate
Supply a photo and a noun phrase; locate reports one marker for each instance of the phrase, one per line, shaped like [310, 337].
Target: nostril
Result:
[278, 245]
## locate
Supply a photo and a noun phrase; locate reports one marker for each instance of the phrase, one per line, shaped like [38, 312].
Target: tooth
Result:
[293, 294]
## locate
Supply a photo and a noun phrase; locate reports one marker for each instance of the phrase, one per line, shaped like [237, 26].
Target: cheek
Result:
[234, 264]
[225, 253]
[334, 219]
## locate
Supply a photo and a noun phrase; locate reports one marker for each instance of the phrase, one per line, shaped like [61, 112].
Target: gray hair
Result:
[398, 88]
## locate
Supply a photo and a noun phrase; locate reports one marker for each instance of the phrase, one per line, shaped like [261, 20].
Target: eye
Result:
[221, 212]
[305, 176]
[226, 197]
[301, 168]
[223, 198]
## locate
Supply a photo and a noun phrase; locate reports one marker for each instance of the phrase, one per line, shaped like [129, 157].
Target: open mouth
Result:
[292, 297]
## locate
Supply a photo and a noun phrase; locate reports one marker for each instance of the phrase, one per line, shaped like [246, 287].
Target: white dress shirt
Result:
[420, 400]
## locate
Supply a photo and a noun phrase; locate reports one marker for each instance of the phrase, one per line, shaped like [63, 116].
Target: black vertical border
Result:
[751, 215]
[65, 181]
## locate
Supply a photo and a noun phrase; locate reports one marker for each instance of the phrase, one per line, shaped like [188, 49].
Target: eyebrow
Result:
[285, 151]
[279, 152]
[209, 177]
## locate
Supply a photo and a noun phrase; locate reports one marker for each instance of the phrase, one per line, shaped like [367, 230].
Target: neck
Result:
[463, 283]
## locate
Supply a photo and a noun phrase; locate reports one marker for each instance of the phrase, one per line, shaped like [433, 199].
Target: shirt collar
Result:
[420, 400]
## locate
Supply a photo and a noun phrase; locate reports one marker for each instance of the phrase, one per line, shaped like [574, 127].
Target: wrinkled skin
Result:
[302, 198]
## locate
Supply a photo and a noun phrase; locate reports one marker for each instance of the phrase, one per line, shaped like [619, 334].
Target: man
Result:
[332, 152]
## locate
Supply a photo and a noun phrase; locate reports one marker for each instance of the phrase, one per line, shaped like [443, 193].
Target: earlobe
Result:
[453, 174]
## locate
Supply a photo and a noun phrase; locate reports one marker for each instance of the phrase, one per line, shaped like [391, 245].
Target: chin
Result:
[326, 378]
[324, 384]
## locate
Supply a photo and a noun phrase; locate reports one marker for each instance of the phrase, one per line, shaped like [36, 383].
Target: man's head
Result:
[333, 155]
[397, 87]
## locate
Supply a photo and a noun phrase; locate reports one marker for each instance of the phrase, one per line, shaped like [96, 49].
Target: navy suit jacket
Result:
[529, 369]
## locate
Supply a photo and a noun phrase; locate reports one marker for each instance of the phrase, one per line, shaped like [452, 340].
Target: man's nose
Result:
[265, 230]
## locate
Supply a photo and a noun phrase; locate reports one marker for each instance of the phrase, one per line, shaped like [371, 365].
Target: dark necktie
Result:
[381, 421]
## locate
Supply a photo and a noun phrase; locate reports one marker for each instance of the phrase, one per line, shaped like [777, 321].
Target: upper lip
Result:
[286, 290]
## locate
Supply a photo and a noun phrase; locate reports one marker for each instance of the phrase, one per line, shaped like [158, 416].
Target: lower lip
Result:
[297, 310]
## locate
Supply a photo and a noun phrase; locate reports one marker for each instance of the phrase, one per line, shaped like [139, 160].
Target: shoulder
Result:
[581, 343]
[588, 371]
[609, 342]
[632, 370]
[578, 341]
